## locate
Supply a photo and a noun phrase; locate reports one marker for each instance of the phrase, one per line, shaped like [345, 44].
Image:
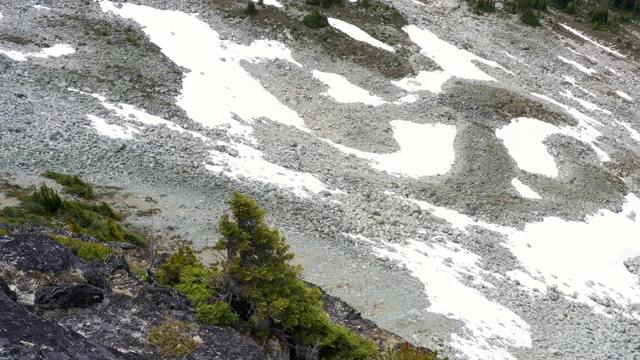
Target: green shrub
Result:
[218, 313]
[632, 6]
[71, 184]
[315, 20]
[46, 199]
[530, 17]
[85, 250]
[169, 273]
[599, 18]
[174, 339]
[481, 6]
[251, 9]
[510, 7]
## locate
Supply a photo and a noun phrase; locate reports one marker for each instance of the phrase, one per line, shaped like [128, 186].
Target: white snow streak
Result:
[524, 190]
[341, 90]
[112, 131]
[578, 66]
[358, 34]
[580, 35]
[624, 95]
[54, 51]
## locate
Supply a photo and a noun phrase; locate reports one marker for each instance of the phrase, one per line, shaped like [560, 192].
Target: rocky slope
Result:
[441, 240]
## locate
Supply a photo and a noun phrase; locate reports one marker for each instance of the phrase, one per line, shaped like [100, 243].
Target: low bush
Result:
[599, 18]
[482, 6]
[85, 250]
[315, 20]
[530, 17]
[71, 184]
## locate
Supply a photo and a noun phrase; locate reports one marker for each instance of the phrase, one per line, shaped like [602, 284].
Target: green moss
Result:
[71, 184]
[174, 339]
[85, 250]
[3, 232]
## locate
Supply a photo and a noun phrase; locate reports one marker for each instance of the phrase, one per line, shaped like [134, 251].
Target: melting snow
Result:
[112, 131]
[454, 61]
[40, 7]
[572, 81]
[580, 35]
[523, 138]
[585, 104]
[580, 67]
[411, 98]
[341, 90]
[54, 51]
[634, 134]
[273, 3]
[524, 190]
[217, 86]
[217, 89]
[250, 164]
[416, 142]
[624, 95]
[584, 131]
[358, 34]
[597, 248]
[425, 80]
[440, 269]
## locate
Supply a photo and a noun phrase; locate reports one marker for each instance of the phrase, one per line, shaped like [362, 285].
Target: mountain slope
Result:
[466, 181]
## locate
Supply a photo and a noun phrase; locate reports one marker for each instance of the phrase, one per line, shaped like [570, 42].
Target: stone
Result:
[68, 296]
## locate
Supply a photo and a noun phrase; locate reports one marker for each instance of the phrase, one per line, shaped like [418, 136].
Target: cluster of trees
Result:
[530, 10]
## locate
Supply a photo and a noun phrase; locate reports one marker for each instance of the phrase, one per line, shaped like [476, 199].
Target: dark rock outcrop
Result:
[68, 296]
[43, 254]
[24, 335]
[164, 298]
[5, 288]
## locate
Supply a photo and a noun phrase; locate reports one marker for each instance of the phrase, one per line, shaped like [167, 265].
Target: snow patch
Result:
[571, 80]
[250, 164]
[425, 80]
[273, 3]
[425, 150]
[358, 34]
[597, 249]
[490, 327]
[54, 51]
[578, 66]
[584, 131]
[454, 61]
[217, 87]
[40, 7]
[407, 99]
[524, 190]
[624, 95]
[523, 138]
[112, 131]
[341, 90]
[583, 37]
[585, 104]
